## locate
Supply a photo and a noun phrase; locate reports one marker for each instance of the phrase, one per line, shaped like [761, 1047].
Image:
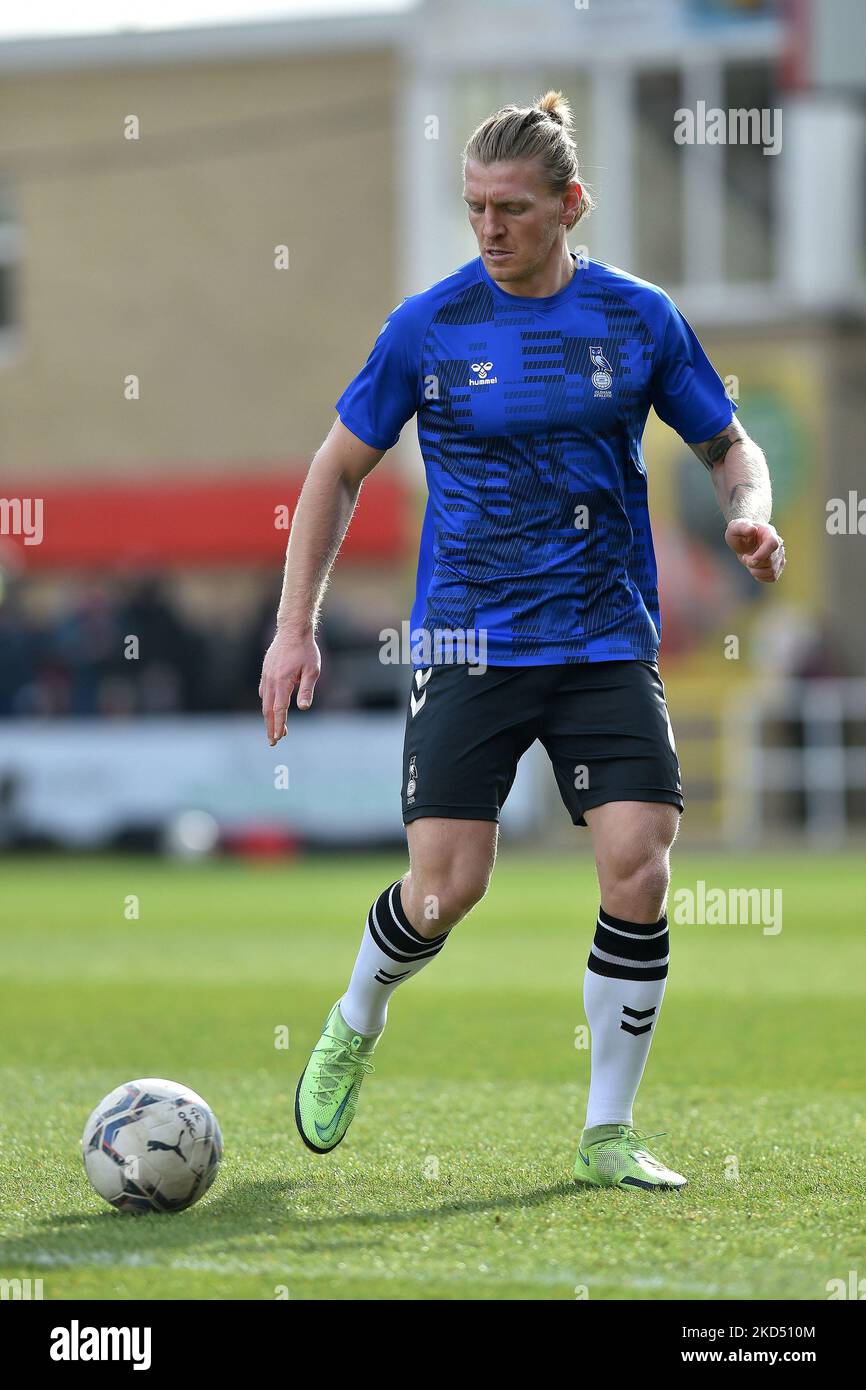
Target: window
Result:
[658, 205]
[10, 252]
[749, 179]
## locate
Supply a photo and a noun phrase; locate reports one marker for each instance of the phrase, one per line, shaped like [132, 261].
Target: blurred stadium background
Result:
[163, 385]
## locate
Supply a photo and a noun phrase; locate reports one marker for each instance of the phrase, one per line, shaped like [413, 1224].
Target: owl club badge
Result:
[602, 377]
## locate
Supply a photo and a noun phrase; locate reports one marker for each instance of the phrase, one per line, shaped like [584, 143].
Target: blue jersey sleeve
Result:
[687, 391]
[385, 393]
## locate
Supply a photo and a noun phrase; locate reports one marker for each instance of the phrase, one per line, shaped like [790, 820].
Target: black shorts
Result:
[604, 724]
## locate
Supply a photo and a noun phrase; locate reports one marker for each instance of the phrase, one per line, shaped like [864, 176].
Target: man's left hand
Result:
[759, 547]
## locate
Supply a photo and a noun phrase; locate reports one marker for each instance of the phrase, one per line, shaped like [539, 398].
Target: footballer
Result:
[531, 372]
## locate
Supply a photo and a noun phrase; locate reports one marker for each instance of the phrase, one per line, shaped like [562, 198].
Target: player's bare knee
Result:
[642, 855]
[637, 876]
[456, 898]
[467, 892]
[440, 900]
[650, 881]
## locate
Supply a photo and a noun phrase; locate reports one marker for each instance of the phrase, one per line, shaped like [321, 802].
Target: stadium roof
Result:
[438, 32]
[205, 43]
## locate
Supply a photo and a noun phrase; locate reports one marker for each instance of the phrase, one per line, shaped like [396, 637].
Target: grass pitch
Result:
[454, 1181]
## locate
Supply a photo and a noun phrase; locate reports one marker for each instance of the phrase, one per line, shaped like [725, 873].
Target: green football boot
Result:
[327, 1094]
[617, 1156]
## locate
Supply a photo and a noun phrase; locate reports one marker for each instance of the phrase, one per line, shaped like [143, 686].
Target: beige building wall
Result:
[156, 257]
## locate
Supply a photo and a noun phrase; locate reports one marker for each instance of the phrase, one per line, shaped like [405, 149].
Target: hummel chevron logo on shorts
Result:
[421, 679]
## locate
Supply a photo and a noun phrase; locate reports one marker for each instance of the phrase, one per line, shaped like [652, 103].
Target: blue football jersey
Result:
[530, 412]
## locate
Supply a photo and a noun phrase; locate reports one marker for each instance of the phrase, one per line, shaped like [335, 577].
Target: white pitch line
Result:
[132, 1260]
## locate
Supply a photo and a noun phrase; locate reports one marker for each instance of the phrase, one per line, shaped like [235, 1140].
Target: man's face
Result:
[514, 215]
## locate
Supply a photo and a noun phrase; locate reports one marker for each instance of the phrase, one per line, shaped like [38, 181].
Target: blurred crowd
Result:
[115, 650]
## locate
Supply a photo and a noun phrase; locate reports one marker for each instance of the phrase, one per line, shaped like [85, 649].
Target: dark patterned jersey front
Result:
[530, 415]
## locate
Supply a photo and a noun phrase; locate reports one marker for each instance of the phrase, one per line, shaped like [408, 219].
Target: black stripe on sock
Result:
[405, 946]
[644, 948]
[394, 900]
[640, 928]
[625, 972]
[633, 942]
[402, 957]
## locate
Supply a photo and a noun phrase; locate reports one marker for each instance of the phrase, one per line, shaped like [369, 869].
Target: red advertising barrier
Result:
[188, 521]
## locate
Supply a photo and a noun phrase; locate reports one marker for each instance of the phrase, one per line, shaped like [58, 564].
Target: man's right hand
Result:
[290, 661]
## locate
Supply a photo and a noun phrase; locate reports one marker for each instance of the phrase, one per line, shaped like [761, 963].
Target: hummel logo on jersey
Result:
[481, 378]
[421, 679]
[602, 379]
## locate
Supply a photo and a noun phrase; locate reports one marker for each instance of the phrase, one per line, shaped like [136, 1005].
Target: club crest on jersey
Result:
[481, 378]
[602, 377]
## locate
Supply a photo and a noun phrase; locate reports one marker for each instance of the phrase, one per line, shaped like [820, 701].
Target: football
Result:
[152, 1145]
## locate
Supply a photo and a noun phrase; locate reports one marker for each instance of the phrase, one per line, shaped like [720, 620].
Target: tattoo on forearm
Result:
[742, 482]
[713, 451]
[741, 499]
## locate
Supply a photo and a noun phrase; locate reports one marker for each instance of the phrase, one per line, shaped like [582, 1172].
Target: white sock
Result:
[623, 990]
[391, 952]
